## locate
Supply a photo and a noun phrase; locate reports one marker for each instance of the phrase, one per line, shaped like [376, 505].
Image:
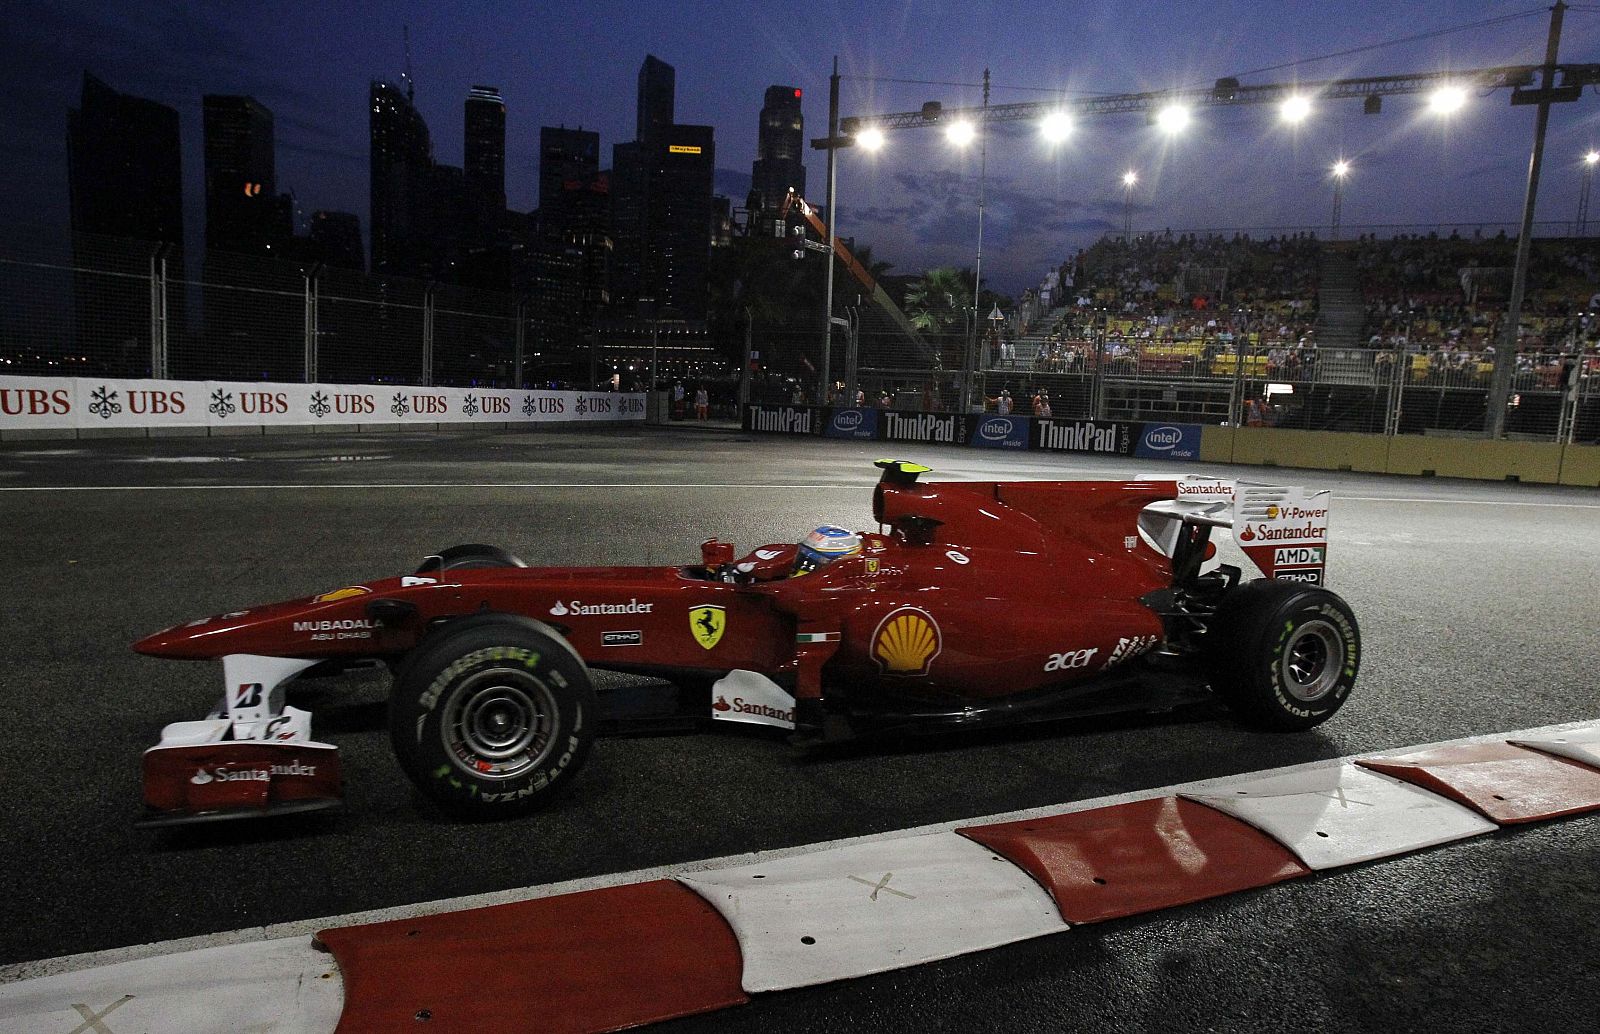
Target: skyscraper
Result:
[485, 151]
[780, 144]
[243, 210]
[336, 239]
[569, 160]
[402, 178]
[657, 88]
[573, 256]
[661, 208]
[124, 167]
[677, 255]
[125, 180]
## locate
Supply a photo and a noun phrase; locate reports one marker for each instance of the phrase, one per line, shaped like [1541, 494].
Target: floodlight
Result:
[1056, 127]
[1295, 108]
[1447, 100]
[870, 139]
[1173, 118]
[961, 133]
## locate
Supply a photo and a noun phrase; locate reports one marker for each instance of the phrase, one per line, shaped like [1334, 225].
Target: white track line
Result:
[437, 484]
[307, 927]
[1447, 501]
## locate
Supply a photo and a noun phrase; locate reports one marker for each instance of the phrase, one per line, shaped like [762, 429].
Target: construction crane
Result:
[856, 269]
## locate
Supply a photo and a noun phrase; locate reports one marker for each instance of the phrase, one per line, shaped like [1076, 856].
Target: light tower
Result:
[1341, 169]
[1590, 160]
[1129, 179]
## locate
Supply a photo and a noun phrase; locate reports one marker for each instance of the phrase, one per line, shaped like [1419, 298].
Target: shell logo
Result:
[906, 642]
[1272, 513]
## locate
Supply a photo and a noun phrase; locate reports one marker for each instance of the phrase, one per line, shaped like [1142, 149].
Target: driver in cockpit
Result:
[817, 550]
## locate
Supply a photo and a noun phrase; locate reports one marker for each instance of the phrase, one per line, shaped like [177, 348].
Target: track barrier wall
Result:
[33, 407]
[1415, 455]
[1146, 440]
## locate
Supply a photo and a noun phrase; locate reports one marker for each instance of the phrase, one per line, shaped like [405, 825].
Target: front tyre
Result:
[1282, 655]
[492, 716]
[473, 556]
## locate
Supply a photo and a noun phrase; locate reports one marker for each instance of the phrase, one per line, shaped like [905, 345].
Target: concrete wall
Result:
[1537, 462]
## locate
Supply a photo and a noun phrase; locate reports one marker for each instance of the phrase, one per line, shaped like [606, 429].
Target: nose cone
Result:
[164, 643]
[202, 638]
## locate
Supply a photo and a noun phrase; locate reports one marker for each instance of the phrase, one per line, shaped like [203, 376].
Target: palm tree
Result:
[939, 301]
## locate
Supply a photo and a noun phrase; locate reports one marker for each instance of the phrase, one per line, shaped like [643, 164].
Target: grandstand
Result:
[1395, 334]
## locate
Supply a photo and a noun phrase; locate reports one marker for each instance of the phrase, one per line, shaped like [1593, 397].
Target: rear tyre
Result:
[492, 716]
[1282, 655]
[472, 556]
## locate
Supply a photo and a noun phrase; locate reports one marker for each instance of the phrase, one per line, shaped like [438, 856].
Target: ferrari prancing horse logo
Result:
[707, 624]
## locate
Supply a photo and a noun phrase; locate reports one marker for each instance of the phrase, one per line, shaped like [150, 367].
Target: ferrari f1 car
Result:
[974, 603]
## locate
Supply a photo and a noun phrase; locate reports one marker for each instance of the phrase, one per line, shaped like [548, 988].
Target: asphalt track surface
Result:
[1477, 602]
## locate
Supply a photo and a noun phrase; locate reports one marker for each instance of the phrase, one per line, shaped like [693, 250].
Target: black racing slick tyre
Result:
[1283, 655]
[492, 716]
[473, 556]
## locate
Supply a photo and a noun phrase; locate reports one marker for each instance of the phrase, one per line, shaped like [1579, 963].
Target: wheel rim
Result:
[1310, 660]
[499, 723]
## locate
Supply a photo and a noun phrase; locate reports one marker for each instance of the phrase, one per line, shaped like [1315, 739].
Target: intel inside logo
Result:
[848, 420]
[1163, 438]
[995, 430]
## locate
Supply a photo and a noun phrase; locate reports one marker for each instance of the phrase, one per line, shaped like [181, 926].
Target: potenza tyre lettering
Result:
[1347, 663]
[489, 716]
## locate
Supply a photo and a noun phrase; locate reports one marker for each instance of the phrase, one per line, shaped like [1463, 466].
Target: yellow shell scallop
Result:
[906, 643]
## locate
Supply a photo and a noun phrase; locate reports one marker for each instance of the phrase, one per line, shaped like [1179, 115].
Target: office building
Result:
[569, 164]
[778, 167]
[657, 89]
[661, 209]
[402, 178]
[336, 239]
[124, 166]
[571, 261]
[484, 157]
[244, 212]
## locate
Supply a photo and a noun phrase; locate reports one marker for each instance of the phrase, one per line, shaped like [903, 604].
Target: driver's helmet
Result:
[822, 547]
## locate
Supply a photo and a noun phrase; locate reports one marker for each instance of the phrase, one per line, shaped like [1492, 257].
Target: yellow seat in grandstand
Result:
[1228, 363]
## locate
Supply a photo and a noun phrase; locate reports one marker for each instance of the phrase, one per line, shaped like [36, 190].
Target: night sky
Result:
[575, 64]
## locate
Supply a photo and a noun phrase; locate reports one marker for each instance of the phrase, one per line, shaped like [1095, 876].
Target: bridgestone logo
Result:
[924, 427]
[495, 654]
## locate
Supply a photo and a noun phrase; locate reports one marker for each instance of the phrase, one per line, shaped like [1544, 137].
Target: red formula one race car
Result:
[975, 602]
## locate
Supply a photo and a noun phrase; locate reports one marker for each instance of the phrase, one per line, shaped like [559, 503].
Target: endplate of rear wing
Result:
[1282, 529]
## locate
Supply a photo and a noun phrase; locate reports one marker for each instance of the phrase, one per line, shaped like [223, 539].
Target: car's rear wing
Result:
[1282, 529]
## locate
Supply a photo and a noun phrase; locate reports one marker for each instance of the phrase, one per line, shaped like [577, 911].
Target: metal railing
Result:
[112, 307]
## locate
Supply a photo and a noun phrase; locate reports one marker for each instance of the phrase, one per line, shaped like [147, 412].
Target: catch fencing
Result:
[1244, 380]
[119, 309]
[110, 307]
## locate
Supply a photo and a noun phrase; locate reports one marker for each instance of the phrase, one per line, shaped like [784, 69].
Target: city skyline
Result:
[915, 202]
